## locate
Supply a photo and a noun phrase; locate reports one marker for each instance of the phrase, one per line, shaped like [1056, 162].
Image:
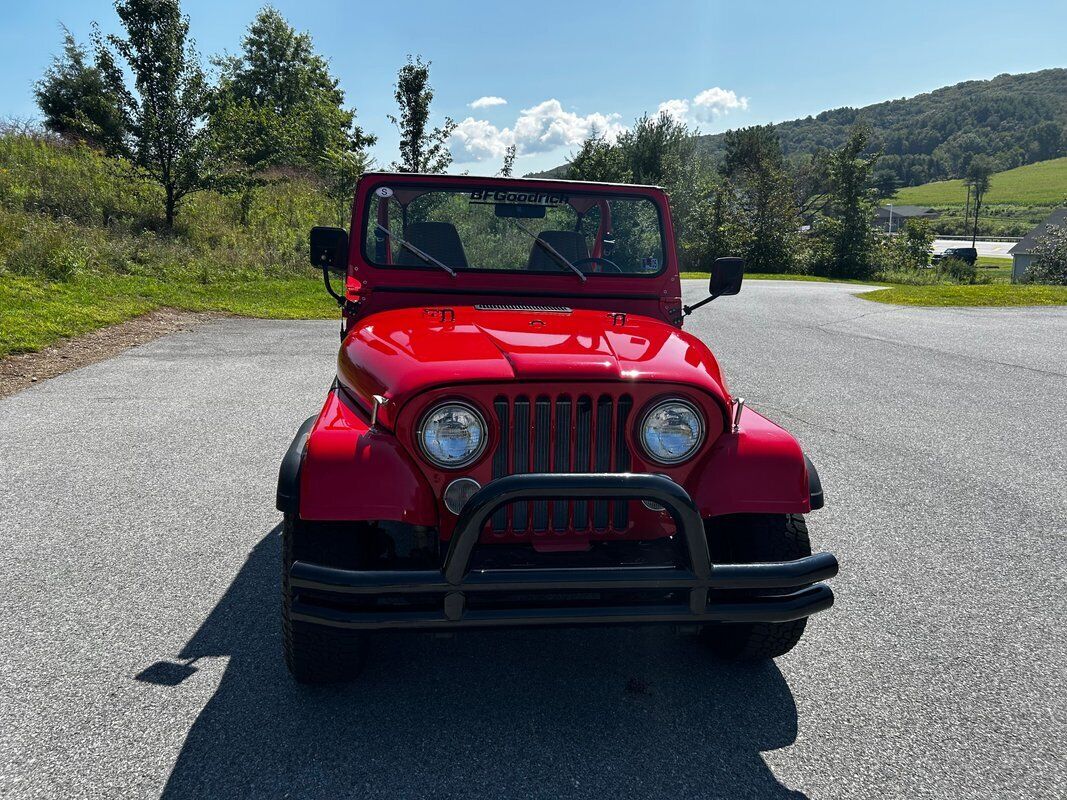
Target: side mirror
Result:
[726, 276]
[329, 249]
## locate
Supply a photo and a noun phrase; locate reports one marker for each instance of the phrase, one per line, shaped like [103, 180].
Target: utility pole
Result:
[967, 213]
[890, 219]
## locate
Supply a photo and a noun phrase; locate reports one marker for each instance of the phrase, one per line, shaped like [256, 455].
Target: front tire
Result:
[319, 654]
[750, 538]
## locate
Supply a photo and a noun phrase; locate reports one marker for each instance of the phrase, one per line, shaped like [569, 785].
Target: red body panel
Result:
[402, 352]
[759, 469]
[353, 472]
[416, 339]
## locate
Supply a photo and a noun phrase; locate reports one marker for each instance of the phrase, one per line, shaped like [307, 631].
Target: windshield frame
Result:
[465, 184]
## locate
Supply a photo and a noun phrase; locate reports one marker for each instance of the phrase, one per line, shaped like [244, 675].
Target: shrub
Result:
[958, 271]
[51, 249]
[73, 181]
[66, 209]
[951, 270]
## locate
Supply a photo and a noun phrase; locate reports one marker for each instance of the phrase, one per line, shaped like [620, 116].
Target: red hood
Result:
[402, 352]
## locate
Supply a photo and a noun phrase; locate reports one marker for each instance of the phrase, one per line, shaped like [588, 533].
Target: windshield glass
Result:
[520, 229]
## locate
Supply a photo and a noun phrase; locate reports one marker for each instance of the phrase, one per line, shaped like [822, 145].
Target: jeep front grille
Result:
[562, 434]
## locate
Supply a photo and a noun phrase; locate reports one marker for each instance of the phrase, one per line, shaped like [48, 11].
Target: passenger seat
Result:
[569, 244]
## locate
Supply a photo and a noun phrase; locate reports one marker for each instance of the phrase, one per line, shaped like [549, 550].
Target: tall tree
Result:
[598, 160]
[509, 162]
[978, 175]
[170, 141]
[85, 99]
[652, 145]
[421, 149]
[277, 103]
[755, 180]
[844, 238]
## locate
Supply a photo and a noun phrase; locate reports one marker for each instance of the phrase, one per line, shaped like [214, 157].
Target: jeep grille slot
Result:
[522, 307]
[562, 434]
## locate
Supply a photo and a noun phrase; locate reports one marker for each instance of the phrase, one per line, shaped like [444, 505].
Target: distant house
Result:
[898, 215]
[1023, 253]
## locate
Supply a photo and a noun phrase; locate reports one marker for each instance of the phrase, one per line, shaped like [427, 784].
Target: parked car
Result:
[969, 255]
[521, 433]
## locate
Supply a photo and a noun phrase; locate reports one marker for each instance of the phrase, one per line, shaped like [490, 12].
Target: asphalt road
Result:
[139, 611]
[984, 248]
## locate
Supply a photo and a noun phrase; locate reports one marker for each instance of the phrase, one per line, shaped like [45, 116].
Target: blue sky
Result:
[563, 67]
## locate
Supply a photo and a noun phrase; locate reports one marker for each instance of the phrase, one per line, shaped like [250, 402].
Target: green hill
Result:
[1040, 184]
[1018, 199]
[1012, 119]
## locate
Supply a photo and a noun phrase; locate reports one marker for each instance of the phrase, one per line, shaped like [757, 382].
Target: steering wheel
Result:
[605, 261]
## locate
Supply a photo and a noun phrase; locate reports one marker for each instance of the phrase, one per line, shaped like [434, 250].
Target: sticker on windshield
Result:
[495, 196]
[383, 191]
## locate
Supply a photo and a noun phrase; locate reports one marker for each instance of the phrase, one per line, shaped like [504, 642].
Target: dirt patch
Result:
[18, 372]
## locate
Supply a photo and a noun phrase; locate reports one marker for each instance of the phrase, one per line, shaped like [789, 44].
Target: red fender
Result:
[351, 472]
[760, 469]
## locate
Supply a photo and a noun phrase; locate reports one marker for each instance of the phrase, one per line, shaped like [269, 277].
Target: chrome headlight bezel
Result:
[472, 457]
[656, 406]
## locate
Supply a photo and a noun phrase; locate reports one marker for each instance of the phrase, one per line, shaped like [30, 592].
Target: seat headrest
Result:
[437, 239]
[569, 244]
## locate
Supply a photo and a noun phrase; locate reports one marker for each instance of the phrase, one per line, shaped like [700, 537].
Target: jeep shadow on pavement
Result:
[521, 434]
[577, 713]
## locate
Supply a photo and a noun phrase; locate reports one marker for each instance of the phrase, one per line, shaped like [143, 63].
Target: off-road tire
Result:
[318, 654]
[748, 538]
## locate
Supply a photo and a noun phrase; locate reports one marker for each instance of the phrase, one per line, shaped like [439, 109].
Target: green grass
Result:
[1040, 184]
[997, 294]
[35, 314]
[784, 276]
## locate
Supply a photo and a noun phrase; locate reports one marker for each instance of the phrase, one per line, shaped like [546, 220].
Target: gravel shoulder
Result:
[22, 370]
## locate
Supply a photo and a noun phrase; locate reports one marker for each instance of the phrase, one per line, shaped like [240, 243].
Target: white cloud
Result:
[705, 107]
[547, 126]
[478, 140]
[488, 101]
[541, 128]
[714, 102]
[679, 109]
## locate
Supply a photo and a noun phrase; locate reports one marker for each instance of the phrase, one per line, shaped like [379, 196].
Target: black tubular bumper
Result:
[761, 592]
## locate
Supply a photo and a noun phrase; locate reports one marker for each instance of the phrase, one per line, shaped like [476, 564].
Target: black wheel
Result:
[317, 653]
[747, 538]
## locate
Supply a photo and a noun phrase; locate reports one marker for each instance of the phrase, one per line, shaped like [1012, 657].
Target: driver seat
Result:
[569, 244]
[437, 239]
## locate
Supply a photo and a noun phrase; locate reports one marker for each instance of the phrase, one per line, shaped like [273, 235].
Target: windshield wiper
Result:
[556, 254]
[418, 253]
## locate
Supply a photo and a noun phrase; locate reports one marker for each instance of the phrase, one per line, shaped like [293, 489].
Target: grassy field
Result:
[989, 295]
[1040, 184]
[758, 276]
[34, 314]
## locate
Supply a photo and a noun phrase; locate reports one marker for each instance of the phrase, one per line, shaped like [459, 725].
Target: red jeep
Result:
[520, 433]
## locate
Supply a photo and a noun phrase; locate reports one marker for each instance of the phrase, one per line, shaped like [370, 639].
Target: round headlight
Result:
[452, 435]
[672, 431]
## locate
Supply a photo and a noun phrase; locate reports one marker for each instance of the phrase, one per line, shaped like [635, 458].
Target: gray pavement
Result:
[998, 249]
[139, 536]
